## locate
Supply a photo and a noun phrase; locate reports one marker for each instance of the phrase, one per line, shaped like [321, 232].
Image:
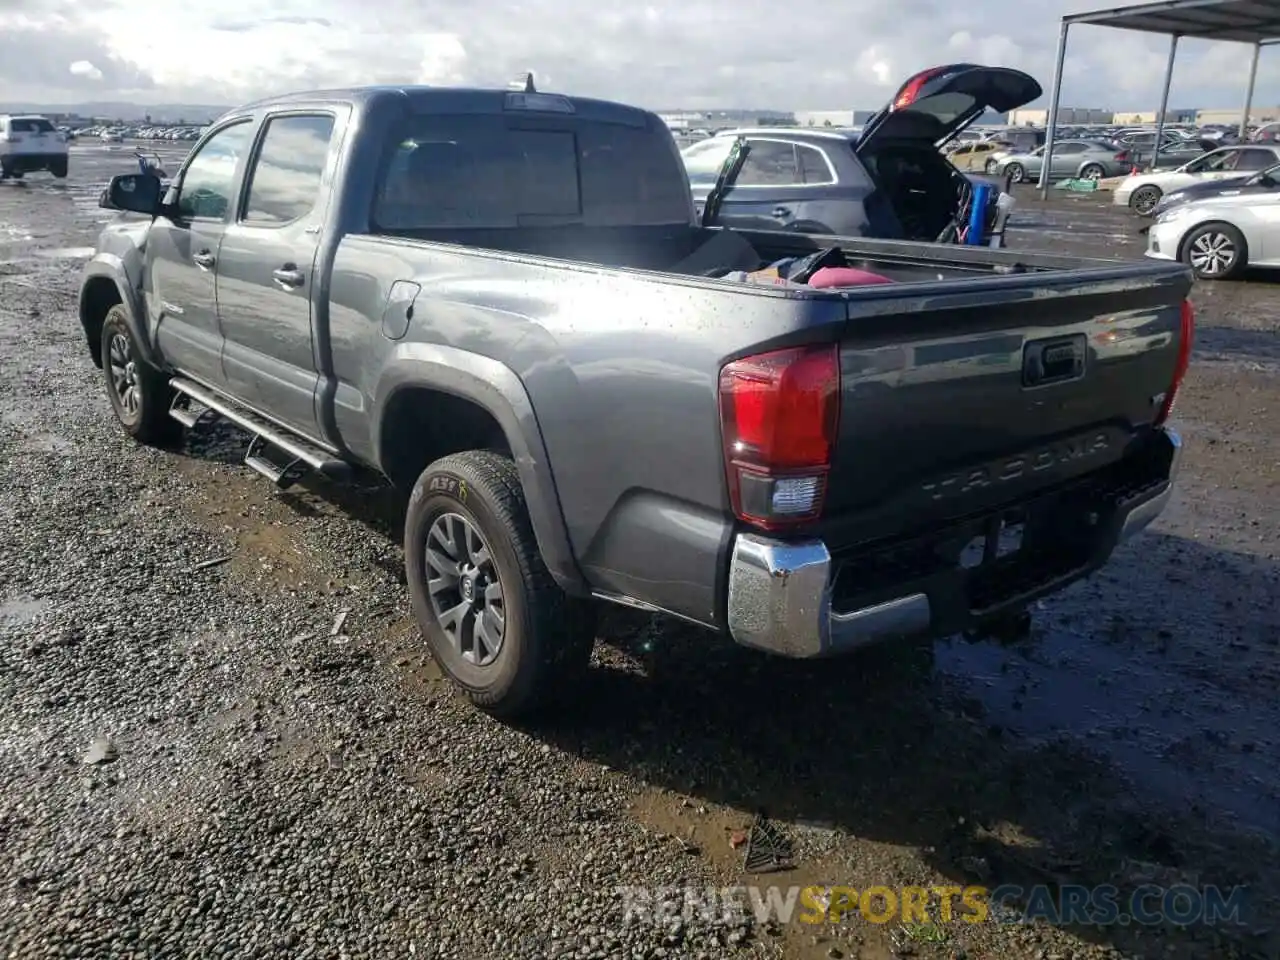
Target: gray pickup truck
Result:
[503, 302]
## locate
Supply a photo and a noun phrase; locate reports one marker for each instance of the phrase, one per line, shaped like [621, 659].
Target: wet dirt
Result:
[1137, 725]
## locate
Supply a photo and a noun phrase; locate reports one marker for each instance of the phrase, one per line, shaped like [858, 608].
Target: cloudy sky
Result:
[694, 53]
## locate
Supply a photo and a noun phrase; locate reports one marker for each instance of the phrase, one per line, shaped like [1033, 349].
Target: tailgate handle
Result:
[1054, 360]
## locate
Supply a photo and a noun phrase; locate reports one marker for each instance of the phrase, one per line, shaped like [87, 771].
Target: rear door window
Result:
[770, 163]
[1254, 159]
[702, 161]
[30, 125]
[814, 166]
[285, 181]
[490, 171]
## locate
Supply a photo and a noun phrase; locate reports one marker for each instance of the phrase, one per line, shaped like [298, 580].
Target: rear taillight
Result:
[1186, 336]
[1122, 156]
[779, 413]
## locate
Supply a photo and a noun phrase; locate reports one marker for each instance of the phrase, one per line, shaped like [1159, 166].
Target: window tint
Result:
[813, 165]
[769, 163]
[286, 176]
[1068, 149]
[210, 174]
[488, 171]
[702, 161]
[1255, 160]
[30, 125]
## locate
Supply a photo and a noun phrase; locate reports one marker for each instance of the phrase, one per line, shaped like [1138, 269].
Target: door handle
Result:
[289, 277]
[781, 212]
[204, 260]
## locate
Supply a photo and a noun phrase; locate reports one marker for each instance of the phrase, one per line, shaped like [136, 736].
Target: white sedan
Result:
[1143, 191]
[1219, 236]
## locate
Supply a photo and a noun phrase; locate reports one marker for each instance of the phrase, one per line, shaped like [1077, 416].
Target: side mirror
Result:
[133, 192]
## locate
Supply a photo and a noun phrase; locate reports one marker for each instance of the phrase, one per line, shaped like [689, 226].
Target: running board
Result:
[298, 455]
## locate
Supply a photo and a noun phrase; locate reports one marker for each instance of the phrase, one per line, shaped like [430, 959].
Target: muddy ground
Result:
[220, 736]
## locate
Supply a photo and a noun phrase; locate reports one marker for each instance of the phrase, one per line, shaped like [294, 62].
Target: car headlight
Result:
[1172, 213]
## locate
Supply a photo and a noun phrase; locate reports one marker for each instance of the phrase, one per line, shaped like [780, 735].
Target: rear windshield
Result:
[30, 125]
[484, 171]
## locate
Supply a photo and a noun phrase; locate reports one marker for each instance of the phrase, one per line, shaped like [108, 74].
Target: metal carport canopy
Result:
[1243, 21]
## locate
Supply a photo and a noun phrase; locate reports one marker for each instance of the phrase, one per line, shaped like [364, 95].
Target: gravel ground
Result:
[220, 735]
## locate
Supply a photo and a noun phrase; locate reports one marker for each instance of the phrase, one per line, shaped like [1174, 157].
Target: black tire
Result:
[1144, 199]
[143, 412]
[546, 637]
[59, 168]
[1016, 172]
[1222, 239]
[1092, 171]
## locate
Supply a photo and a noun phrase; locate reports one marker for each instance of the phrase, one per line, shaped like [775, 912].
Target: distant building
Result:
[824, 118]
[1256, 115]
[1036, 117]
[1153, 116]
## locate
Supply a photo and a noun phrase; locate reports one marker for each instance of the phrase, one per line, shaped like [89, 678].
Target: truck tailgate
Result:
[953, 404]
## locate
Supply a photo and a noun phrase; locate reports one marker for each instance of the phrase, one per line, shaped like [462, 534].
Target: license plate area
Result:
[1001, 538]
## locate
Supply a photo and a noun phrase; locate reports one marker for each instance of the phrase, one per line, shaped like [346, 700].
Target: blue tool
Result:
[977, 213]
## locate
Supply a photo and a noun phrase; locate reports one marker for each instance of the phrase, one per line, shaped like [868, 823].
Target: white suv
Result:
[28, 144]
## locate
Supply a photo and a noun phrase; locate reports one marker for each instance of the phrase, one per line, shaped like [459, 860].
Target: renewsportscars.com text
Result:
[1104, 905]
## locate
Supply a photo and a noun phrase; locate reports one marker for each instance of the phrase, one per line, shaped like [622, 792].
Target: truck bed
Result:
[664, 249]
[621, 364]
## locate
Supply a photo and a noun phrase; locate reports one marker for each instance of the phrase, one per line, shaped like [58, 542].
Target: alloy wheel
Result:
[1212, 253]
[464, 589]
[124, 375]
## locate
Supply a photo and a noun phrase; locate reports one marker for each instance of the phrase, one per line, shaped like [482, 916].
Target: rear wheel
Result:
[140, 395]
[494, 619]
[1016, 172]
[59, 168]
[1215, 251]
[1144, 199]
[1092, 171]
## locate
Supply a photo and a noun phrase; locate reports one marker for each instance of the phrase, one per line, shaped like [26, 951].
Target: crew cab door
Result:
[267, 289]
[182, 254]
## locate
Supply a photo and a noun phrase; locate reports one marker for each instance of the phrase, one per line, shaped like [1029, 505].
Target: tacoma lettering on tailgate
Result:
[1015, 468]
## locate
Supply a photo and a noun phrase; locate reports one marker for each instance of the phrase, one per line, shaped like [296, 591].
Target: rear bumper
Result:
[32, 162]
[783, 595]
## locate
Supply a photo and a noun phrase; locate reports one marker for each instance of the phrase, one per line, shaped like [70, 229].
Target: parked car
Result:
[1219, 236]
[1142, 192]
[1020, 139]
[973, 157]
[1267, 133]
[1258, 183]
[28, 144]
[503, 301]
[1088, 159]
[887, 180]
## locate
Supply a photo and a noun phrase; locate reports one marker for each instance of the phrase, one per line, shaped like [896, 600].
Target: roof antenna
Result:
[523, 83]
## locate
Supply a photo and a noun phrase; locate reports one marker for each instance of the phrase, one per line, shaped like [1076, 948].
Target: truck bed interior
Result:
[711, 252]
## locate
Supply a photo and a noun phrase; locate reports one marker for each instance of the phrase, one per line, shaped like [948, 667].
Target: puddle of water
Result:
[1170, 734]
[21, 610]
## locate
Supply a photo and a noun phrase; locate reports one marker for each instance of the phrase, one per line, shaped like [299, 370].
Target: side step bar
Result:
[298, 454]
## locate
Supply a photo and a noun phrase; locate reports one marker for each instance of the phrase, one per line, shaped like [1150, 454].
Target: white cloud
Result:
[695, 53]
[444, 59]
[83, 68]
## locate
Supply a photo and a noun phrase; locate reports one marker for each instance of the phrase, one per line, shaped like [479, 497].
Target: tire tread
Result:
[561, 628]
